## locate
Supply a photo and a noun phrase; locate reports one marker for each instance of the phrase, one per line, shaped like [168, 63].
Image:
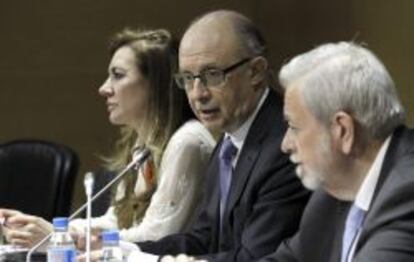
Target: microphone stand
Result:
[89, 180]
[136, 161]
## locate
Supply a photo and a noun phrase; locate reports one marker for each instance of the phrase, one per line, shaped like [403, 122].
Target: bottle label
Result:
[61, 255]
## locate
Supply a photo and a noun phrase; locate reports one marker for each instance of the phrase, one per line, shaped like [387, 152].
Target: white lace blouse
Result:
[179, 187]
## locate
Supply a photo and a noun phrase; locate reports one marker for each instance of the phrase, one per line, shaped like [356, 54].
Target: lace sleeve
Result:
[179, 188]
[107, 221]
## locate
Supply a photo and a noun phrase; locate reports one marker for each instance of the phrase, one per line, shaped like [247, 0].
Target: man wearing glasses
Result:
[252, 199]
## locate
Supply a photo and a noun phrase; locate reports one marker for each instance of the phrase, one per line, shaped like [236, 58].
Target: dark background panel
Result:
[54, 56]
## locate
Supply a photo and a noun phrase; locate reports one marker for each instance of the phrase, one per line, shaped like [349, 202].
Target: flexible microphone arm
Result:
[136, 161]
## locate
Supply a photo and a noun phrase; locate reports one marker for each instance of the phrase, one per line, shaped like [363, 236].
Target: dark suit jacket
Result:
[388, 230]
[265, 200]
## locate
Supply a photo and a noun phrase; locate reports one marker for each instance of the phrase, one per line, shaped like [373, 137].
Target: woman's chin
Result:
[115, 121]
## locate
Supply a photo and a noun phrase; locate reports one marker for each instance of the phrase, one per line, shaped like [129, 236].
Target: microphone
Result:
[137, 160]
[88, 182]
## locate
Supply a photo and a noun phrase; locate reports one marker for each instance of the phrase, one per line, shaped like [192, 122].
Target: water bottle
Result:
[61, 246]
[110, 247]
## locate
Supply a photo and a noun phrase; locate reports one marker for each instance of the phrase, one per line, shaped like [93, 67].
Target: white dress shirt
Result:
[366, 191]
[237, 137]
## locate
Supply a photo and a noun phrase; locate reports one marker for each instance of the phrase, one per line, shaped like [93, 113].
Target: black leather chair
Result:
[101, 205]
[37, 177]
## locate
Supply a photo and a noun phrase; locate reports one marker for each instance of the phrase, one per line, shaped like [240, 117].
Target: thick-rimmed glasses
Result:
[208, 77]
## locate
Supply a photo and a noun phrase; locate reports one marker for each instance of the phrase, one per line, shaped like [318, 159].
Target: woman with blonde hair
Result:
[141, 97]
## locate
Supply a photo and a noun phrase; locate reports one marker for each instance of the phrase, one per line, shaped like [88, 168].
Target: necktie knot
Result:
[228, 150]
[355, 217]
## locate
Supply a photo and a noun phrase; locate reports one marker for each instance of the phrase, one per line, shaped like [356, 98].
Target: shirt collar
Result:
[366, 191]
[237, 137]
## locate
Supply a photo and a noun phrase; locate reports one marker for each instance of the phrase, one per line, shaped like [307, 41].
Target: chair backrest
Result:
[101, 205]
[37, 177]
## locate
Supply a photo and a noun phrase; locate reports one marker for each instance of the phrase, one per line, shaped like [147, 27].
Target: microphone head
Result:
[88, 182]
[140, 156]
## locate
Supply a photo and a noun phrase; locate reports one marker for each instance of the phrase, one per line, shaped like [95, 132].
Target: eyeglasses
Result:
[208, 77]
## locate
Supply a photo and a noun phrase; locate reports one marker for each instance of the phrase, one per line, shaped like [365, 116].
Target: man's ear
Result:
[258, 67]
[343, 131]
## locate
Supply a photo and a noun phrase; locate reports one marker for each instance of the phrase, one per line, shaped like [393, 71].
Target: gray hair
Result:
[346, 77]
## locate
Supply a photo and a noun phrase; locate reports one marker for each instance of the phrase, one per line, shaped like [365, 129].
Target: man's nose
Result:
[287, 145]
[200, 91]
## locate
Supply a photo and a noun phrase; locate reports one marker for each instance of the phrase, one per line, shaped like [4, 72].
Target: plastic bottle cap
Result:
[110, 236]
[69, 255]
[60, 222]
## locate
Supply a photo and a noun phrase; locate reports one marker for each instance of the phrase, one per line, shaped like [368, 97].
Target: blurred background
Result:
[54, 55]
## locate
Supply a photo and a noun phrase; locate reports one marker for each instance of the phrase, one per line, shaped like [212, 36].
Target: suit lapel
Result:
[395, 151]
[243, 169]
[249, 153]
[323, 217]
[338, 231]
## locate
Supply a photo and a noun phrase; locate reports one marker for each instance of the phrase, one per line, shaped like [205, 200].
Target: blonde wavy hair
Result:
[156, 58]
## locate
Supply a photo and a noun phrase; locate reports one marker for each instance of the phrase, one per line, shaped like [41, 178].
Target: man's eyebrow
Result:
[202, 68]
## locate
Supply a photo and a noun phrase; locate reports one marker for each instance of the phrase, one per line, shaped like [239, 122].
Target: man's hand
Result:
[80, 239]
[95, 256]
